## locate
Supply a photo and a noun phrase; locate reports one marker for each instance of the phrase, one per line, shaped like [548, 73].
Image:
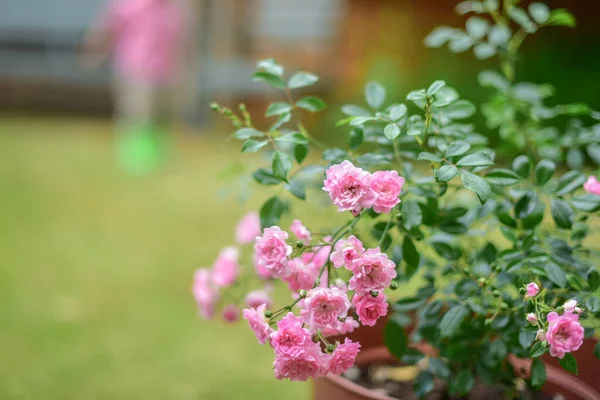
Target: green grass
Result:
[96, 267]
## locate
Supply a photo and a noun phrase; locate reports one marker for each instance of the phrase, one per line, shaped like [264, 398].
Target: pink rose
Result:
[205, 292]
[291, 339]
[349, 187]
[532, 318]
[346, 251]
[532, 289]
[261, 270]
[387, 185]
[226, 268]
[309, 364]
[565, 333]
[372, 271]
[258, 323]
[231, 313]
[343, 357]
[273, 251]
[342, 328]
[257, 298]
[301, 232]
[370, 308]
[302, 276]
[340, 284]
[248, 228]
[592, 185]
[323, 307]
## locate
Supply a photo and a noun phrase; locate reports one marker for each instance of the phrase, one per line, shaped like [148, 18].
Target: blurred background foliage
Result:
[96, 266]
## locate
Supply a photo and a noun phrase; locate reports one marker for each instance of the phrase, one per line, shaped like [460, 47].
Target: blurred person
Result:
[151, 44]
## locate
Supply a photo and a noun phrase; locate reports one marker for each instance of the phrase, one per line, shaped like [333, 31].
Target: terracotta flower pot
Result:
[339, 388]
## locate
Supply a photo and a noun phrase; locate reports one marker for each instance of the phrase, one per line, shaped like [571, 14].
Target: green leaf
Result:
[434, 87]
[543, 171]
[271, 212]
[355, 111]
[374, 94]
[593, 304]
[252, 146]
[397, 111]
[395, 338]
[520, 16]
[479, 159]
[569, 363]
[452, 319]
[597, 350]
[538, 374]
[356, 121]
[478, 185]
[311, 103]
[355, 138]
[569, 182]
[562, 213]
[411, 256]
[416, 95]
[445, 96]
[561, 17]
[502, 177]
[269, 78]
[282, 120]
[493, 79]
[391, 131]
[445, 173]
[540, 12]
[522, 166]
[300, 152]
[460, 42]
[438, 368]
[295, 137]
[302, 79]
[484, 51]
[265, 177]
[297, 188]
[278, 109]
[423, 384]
[439, 36]
[499, 35]
[538, 349]
[594, 280]
[457, 148]
[247, 133]
[593, 151]
[586, 202]
[369, 159]
[270, 65]
[477, 27]
[462, 383]
[428, 157]
[556, 274]
[282, 164]
[460, 109]
[411, 214]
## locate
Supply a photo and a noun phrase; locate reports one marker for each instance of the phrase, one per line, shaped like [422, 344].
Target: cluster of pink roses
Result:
[354, 189]
[564, 333]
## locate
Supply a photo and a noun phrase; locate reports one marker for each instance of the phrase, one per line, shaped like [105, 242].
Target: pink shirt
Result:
[147, 38]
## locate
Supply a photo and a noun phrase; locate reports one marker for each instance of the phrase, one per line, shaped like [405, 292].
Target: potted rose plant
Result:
[499, 249]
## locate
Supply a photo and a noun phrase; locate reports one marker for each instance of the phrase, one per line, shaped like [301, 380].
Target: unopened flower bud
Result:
[268, 313]
[330, 348]
[496, 293]
[570, 305]
[503, 306]
[481, 282]
[532, 290]
[541, 335]
[374, 293]
[214, 106]
[393, 285]
[299, 244]
[532, 318]
[231, 313]
[302, 293]
[487, 322]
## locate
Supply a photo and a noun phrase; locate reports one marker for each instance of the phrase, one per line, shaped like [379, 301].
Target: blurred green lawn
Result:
[96, 268]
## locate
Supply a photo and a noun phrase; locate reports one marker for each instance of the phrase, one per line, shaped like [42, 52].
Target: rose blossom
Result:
[261, 270]
[323, 307]
[372, 271]
[532, 318]
[592, 185]
[342, 328]
[248, 228]
[571, 306]
[205, 292]
[343, 357]
[301, 232]
[309, 364]
[226, 268]
[291, 339]
[540, 335]
[349, 187]
[258, 297]
[387, 185]
[272, 251]
[346, 251]
[256, 320]
[565, 333]
[231, 313]
[370, 308]
[532, 289]
[302, 276]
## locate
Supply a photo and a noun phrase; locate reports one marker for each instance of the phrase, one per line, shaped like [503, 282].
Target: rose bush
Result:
[500, 243]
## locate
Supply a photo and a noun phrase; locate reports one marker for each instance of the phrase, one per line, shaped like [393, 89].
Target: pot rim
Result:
[380, 353]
